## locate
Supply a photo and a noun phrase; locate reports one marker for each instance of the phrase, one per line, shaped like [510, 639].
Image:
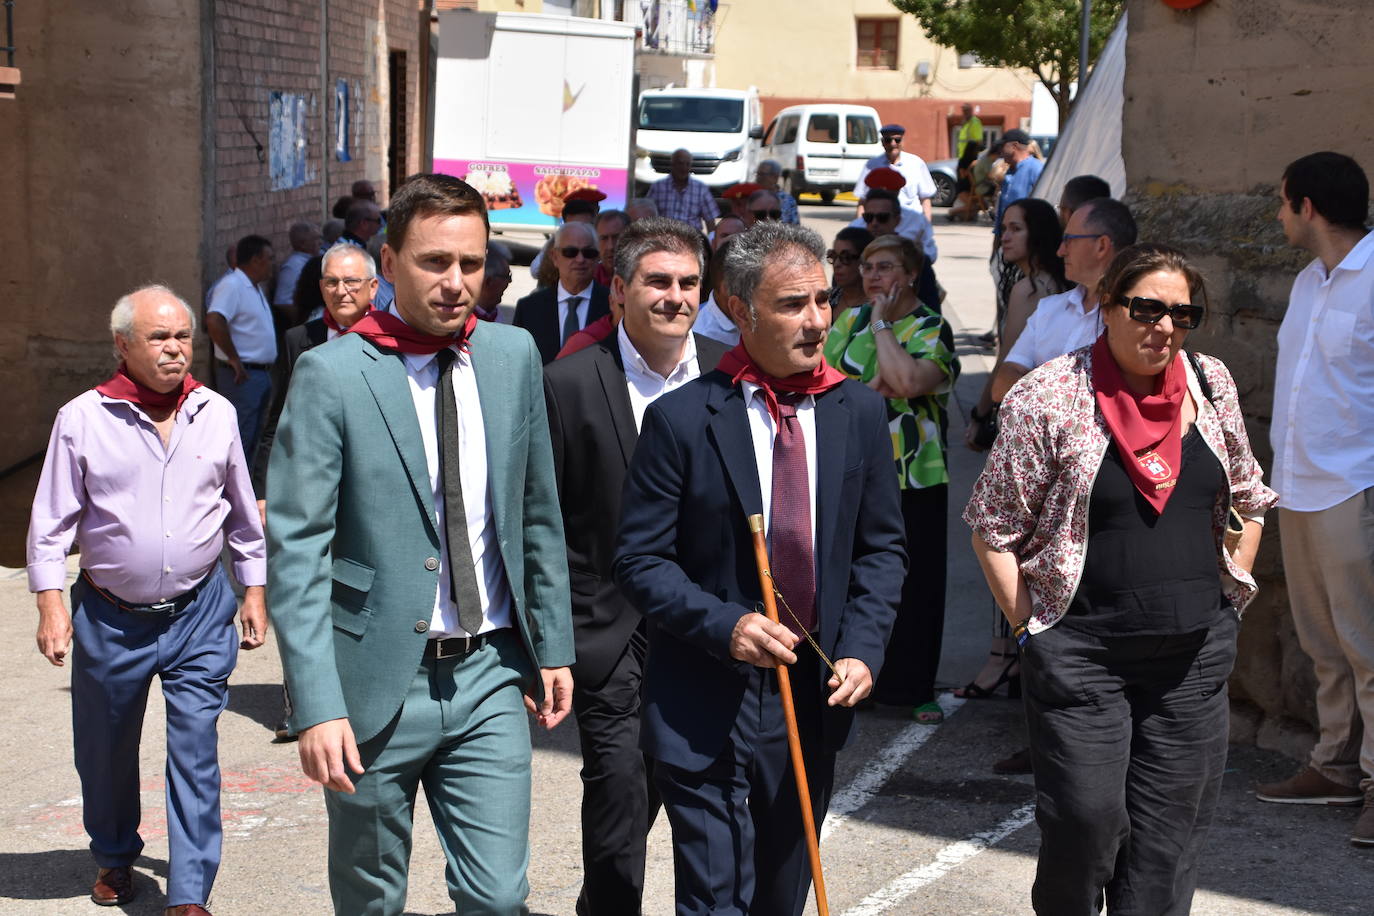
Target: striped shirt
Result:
[693, 205]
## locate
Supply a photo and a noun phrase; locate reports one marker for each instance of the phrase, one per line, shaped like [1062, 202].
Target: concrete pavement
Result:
[919, 823]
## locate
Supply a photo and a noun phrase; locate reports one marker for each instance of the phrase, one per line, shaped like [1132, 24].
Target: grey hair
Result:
[580, 228]
[653, 234]
[754, 248]
[122, 315]
[339, 249]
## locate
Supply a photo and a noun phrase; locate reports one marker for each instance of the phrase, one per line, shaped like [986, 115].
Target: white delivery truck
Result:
[529, 108]
[721, 128]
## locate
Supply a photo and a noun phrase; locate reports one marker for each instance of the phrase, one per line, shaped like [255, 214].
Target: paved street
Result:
[919, 823]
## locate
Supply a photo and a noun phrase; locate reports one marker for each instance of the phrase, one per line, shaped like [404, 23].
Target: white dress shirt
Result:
[582, 307]
[712, 322]
[919, 185]
[423, 374]
[1323, 426]
[244, 306]
[646, 385]
[763, 431]
[1057, 326]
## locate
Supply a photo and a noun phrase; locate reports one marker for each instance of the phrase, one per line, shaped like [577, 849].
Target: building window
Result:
[877, 43]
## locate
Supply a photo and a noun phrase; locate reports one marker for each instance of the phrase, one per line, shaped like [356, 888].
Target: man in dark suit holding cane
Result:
[772, 431]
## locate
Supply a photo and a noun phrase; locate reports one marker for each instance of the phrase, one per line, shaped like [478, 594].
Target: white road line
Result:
[871, 778]
[946, 860]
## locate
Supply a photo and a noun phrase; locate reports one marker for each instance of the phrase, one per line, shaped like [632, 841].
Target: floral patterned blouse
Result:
[1032, 497]
[917, 424]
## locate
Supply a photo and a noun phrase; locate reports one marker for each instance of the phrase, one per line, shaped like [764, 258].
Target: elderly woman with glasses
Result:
[1116, 520]
[768, 175]
[904, 350]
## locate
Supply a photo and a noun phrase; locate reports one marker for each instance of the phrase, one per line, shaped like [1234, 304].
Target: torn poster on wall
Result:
[342, 118]
[288, 157]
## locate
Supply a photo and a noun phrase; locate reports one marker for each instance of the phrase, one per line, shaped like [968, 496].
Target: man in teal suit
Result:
[417, 570]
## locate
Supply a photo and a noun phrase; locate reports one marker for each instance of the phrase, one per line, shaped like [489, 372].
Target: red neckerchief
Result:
[1144, 427]
[740, 366]
[125, 387]
[387, 330]
[333, 323]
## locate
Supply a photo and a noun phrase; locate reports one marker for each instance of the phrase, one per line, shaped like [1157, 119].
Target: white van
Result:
[721, 128]
[822, 147]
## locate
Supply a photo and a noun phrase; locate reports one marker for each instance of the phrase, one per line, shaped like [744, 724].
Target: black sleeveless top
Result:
[1147, 574]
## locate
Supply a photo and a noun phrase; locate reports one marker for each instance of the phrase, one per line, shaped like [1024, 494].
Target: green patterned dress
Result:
[917, 424]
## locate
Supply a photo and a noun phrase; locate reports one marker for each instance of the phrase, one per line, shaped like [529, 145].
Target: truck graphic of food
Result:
[496, 188]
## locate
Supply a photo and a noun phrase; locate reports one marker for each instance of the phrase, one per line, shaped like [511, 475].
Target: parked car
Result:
[822, 147]
[946, 171]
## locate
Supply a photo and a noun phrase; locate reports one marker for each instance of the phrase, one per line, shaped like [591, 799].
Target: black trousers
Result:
[1128, 739]
[738, 841]
[913, 651]
[619, 801]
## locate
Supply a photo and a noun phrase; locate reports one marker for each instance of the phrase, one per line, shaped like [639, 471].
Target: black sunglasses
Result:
[892, 138]
[841, 257]
[1149, 311]
[877, 217]
[570, 252]
[767, 214]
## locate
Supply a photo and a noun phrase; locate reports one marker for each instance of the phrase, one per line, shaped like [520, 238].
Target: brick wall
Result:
[267, 46]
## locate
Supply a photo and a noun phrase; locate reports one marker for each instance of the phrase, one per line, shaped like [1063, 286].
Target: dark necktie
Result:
[789, 522]
[462, 574]
[570, 325]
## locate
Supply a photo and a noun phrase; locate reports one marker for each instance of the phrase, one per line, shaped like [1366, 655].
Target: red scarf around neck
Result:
[740, 366]
[1145, 427]
[387, 330]
[124, 387]
[333, 323]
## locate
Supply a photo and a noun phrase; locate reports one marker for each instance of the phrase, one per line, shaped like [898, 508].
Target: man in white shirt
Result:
[552, 314]
[305, 244]
[596, 400]
[920, 186]
[1323, 438]
[240, 325]
[1097, 230]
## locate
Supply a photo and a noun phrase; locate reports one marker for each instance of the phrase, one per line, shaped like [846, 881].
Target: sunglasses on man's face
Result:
[1149, 311]
[571, 252]
[767, 214]
[841, 257]
[878, 218]
[887, 139]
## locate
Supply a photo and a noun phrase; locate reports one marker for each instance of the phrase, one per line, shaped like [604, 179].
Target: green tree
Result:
[1040, 35]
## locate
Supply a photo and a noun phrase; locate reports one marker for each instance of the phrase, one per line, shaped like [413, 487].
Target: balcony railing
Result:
[9, 74]
[675, 26]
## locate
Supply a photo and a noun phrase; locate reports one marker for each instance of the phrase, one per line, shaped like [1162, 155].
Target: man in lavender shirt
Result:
[147, 475]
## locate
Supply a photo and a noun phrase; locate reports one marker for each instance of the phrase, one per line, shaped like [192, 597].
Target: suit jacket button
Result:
[421, 626]
[431, 563]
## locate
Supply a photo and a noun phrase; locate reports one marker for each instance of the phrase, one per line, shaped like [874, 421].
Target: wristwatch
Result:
[880, 325]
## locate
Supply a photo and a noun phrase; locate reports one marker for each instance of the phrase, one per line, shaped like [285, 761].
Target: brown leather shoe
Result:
[188, 909]
[113, 886]
[1308, 787]
[1364, 826]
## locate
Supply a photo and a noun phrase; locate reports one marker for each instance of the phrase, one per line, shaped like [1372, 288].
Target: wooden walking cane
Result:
[789, 712]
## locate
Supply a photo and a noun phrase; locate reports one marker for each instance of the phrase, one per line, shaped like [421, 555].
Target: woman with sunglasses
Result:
[1103, 522]
[904, 350]
[846, 283]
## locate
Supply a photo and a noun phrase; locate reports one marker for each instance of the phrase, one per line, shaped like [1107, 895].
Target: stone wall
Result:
[1218, 101]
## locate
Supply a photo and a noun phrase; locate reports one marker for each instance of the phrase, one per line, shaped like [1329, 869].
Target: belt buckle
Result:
[439, 648]
[163, 607]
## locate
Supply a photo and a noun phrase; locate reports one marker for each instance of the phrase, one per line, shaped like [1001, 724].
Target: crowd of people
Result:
[457, 513]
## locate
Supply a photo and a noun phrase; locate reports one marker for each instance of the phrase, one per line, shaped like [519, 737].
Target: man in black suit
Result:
[596, 399]
[773, 431]
[552, 314]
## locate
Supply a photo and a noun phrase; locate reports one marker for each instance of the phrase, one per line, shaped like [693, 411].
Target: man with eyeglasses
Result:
[1022, 174]
[552, 314]
[919, 187]
[881, 213]
[768, 175]
[361, 223]
[763, 205]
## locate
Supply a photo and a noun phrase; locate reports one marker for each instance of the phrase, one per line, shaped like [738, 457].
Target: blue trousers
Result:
[738, 843]
[250, 400]
[463, 734]
[115, 658]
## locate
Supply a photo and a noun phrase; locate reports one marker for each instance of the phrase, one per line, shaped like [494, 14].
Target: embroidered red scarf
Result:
[125, 387]
[1144, 427]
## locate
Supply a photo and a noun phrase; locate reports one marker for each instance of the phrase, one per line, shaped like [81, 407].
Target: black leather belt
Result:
[168, 608]
[458, 646]
[266, 367]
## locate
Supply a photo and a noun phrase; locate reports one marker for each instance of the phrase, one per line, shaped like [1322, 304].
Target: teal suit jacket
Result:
[353, 527]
